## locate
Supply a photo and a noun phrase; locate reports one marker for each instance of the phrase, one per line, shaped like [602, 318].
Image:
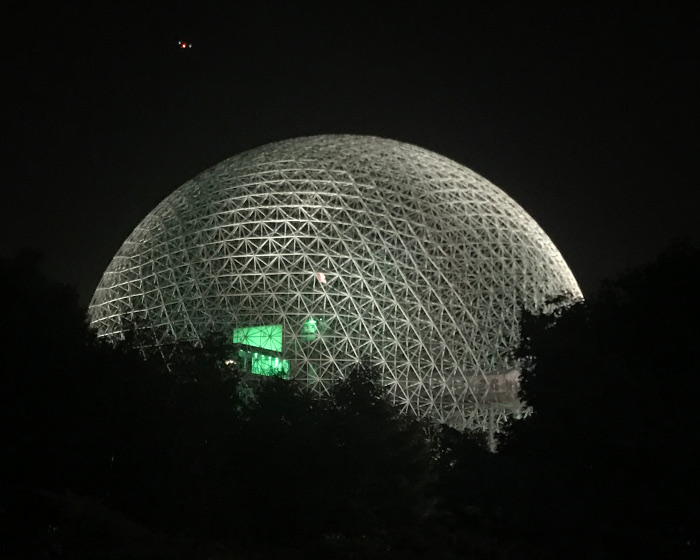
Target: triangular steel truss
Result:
[401, 256]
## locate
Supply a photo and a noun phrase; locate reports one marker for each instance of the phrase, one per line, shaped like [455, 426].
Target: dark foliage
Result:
[109, 452]
[116, 435]
[614, 436]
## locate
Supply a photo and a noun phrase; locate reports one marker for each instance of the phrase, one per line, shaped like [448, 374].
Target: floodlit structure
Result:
[317, 253]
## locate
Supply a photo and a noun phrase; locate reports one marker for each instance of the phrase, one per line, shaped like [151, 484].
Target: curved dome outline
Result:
[360, 248]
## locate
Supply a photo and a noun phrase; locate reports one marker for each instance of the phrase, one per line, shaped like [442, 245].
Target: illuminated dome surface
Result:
[317, 253]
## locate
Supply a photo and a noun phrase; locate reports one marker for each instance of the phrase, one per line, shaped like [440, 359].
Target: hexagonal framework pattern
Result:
[388, 251]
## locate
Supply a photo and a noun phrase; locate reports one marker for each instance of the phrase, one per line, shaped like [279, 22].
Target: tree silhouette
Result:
[133, 446]
[615, 431]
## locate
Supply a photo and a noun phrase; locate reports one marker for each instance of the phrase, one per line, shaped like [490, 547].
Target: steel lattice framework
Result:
[360, 248]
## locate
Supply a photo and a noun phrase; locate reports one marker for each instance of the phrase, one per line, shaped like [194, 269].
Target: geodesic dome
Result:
[316, 253]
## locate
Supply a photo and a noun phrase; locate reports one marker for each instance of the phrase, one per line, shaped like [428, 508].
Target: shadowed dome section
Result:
[316, 253]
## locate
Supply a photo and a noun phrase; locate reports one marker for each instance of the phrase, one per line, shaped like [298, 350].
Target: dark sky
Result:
[588, 117]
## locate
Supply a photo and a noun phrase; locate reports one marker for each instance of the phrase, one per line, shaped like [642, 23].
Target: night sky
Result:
[587, 117]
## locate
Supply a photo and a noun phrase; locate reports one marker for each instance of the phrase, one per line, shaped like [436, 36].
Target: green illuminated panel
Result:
[262, 364]
[267, 337]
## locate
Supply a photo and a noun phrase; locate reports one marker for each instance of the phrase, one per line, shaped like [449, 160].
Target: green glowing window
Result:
[267, 337]
[260, 363]
[269, 365]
